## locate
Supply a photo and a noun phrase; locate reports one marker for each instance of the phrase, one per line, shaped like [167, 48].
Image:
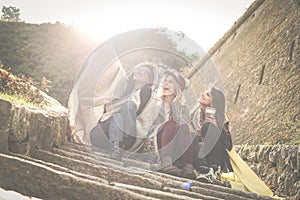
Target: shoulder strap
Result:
[145, 95]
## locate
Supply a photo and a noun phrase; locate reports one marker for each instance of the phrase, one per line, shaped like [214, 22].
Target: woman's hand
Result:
[178, 96]
[211, 119]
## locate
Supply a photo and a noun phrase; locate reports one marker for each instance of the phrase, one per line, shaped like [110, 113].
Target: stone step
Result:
[34, 179]
[130, 181]
[112, 173]
[81, 166]
[86, 150]
[161, 178]
[172, 181]
[101, 154]
[57, 174]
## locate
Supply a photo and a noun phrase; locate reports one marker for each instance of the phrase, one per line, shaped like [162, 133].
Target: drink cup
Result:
[210, 112]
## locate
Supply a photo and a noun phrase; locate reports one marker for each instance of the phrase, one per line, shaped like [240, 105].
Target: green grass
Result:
[19, 100]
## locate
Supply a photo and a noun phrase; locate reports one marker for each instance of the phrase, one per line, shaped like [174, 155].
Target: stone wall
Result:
[278, 166]
[23, 129]
[259, 62]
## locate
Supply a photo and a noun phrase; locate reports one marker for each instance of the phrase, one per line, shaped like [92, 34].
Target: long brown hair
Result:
[218, 101]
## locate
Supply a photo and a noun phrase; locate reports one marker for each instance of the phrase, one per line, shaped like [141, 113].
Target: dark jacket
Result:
[215, 144]
[216, 139]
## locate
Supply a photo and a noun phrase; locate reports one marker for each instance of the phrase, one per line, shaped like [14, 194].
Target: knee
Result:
[171, 125]
[118, 119]
[185, 128]
[129, 107]
[170, 128]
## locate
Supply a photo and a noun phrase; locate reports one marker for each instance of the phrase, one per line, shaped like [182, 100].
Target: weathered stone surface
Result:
[62, 130]
[19, 124]
[298, 161]
[44, 130]
[274, 154]
[77, 166]
[34, 179]
[106, 170]
[166, 180]
[276, 165]
[23, 129]
[19, 147]
[296, 188]
[5, 115]
[263, 153]
[292, 158]
[258, 60]
[252, 154]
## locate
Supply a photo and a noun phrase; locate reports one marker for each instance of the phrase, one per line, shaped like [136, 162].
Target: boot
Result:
[168, 167]
[188, 172]
[115, 152]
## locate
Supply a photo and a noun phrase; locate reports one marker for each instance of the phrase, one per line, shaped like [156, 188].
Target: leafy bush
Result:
[23, 87]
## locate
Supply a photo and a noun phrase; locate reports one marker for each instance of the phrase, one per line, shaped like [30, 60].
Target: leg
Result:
[116, 135]
[197, 162]
[99, 135]
[128, 113]
[166, 142]
[184, 152]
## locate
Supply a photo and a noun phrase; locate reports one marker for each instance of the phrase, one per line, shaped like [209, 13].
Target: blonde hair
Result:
[176, 87]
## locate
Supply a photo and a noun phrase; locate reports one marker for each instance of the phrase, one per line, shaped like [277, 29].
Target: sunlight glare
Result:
[92, 28]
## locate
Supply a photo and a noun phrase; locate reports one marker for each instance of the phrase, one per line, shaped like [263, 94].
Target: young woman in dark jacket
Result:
[213, 136]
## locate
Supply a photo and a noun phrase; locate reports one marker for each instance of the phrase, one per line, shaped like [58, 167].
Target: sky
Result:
[204, 21]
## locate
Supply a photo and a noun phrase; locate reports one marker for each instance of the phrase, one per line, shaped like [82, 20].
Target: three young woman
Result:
[179, 151]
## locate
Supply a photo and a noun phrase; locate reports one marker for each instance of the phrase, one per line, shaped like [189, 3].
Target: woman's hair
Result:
[218, 101]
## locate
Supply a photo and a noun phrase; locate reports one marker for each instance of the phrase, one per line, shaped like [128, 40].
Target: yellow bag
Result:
[244, 178]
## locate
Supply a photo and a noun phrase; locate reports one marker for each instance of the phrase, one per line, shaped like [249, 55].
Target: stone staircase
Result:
[83, 172]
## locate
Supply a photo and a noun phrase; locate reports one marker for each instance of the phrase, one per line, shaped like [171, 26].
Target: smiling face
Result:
[205, 99]
[169, 86]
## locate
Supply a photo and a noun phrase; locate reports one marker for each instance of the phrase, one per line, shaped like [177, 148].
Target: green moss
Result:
[18, 99]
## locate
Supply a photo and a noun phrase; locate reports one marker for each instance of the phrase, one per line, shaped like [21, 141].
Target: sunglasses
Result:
[141, 70]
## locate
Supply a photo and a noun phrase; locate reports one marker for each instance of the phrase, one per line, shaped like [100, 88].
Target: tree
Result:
[10, 13]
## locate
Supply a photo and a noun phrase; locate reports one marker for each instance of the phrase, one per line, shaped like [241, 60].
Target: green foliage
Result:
[50, 50]
[23, 89]
[47, 50]
[10, 13]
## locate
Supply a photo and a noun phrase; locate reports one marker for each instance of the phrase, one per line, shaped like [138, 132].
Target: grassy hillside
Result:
[54, 51]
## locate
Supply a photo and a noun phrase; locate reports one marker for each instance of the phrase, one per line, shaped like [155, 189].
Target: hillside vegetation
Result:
[54, 51]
